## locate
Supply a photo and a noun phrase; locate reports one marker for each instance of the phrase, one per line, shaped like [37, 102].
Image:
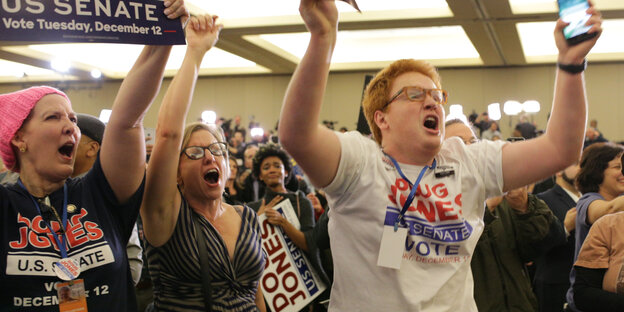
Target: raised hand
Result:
[316, 204]
[202, 33]
[319, 16]
[575, 54]
[264, 207]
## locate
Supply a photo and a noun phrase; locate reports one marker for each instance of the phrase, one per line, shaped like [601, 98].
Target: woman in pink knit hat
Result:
[58, 231]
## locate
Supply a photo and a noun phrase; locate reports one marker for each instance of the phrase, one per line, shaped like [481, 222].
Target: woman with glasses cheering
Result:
[59, 230]
[203, 254]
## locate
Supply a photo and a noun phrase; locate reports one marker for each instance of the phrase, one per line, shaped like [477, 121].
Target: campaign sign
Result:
[109, 21]
[289, 282]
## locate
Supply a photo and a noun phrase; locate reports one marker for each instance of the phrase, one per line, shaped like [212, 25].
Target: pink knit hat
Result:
[14, 108]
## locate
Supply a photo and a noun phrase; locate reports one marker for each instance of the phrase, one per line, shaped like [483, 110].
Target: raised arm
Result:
[532, 160]
[123, 149]
[316, 148]
[161, 200]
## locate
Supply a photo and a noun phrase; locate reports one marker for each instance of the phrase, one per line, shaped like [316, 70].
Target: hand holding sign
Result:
[275, 218]
[175, 9]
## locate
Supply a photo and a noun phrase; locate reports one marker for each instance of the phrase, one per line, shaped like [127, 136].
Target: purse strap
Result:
[203, 262]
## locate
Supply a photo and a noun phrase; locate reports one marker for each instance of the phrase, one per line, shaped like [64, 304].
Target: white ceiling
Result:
[269, 37]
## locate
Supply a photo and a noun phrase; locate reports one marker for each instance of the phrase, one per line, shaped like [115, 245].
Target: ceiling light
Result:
[443, 43]
[12, 70]
[456, 109]
[98, 55]
[209, 117]
[256, 132]
[494, 111]
[61, 65]
[538, 43]
[531, 106]
[550, 6]
[96, 73]
[228, 10]
[512, 108]
[105, 115]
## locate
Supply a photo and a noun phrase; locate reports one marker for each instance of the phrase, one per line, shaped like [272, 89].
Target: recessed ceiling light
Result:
[228, 10]
[60, 64]
[549, 6]
[538, 43]
[428, 43]
[96, 73]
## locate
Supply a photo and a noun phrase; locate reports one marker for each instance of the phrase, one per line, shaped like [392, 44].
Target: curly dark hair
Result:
[594, 162]
[268, 150]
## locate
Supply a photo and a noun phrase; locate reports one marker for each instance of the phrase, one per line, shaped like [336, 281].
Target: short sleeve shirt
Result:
[97, 230]
[444, 224]
[604, 249]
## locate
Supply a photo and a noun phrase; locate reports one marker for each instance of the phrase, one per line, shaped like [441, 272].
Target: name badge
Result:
[72, 296]
[443, 171]
[392, 247]
[67, 269]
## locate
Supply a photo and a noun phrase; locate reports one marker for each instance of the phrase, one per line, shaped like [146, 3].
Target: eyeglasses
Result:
[198, 152]
[418, 94]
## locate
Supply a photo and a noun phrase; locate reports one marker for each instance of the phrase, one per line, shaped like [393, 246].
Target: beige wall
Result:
[473, 88]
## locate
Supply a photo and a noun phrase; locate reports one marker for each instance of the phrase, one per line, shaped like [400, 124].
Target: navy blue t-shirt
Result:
[97, 231]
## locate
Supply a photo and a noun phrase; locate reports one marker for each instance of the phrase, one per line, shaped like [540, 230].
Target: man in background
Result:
[552, 270]
[519, 227]
[88, 149]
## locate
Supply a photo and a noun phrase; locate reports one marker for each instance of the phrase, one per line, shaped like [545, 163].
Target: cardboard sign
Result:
[109, 21]
[289, 282]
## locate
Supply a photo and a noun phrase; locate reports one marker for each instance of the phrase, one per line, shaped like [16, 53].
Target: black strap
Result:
[203, 262]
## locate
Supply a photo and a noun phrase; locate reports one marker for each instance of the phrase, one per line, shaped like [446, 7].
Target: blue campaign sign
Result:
[109, 21]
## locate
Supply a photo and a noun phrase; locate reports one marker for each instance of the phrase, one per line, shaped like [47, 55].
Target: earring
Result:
[22, 149]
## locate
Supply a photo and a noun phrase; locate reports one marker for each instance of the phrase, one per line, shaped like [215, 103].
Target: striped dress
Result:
[176, 274]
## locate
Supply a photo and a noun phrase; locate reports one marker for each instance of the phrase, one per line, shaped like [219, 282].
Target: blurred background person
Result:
[601, 182]
[271, 165]
[599, 282]
[552, 269]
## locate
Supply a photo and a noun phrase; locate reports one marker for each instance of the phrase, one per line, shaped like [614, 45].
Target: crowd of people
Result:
[425, 215]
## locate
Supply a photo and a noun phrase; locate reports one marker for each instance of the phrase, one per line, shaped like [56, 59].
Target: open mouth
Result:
[431, 122]
[212, 176]
[67, 150]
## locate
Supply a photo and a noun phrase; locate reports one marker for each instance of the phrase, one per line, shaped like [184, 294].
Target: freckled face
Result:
[419, 123]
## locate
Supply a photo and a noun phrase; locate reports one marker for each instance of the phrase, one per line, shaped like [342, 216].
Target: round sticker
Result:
[67, 269]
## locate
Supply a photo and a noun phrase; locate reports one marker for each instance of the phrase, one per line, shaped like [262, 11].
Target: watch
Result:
[573, 68]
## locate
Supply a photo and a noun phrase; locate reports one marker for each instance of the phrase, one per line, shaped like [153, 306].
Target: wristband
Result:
[573, 68]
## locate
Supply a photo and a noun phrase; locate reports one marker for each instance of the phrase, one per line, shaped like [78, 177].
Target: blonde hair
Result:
[378, 90]
[191, 128]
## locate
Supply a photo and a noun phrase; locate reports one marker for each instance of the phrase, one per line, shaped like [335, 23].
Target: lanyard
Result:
[59, 242]
[414, 186]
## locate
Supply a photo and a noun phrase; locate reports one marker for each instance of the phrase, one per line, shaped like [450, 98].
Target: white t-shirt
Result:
[444, 225]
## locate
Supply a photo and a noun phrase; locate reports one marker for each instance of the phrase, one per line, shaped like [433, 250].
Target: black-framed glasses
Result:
[198, 152]
[418, 94]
